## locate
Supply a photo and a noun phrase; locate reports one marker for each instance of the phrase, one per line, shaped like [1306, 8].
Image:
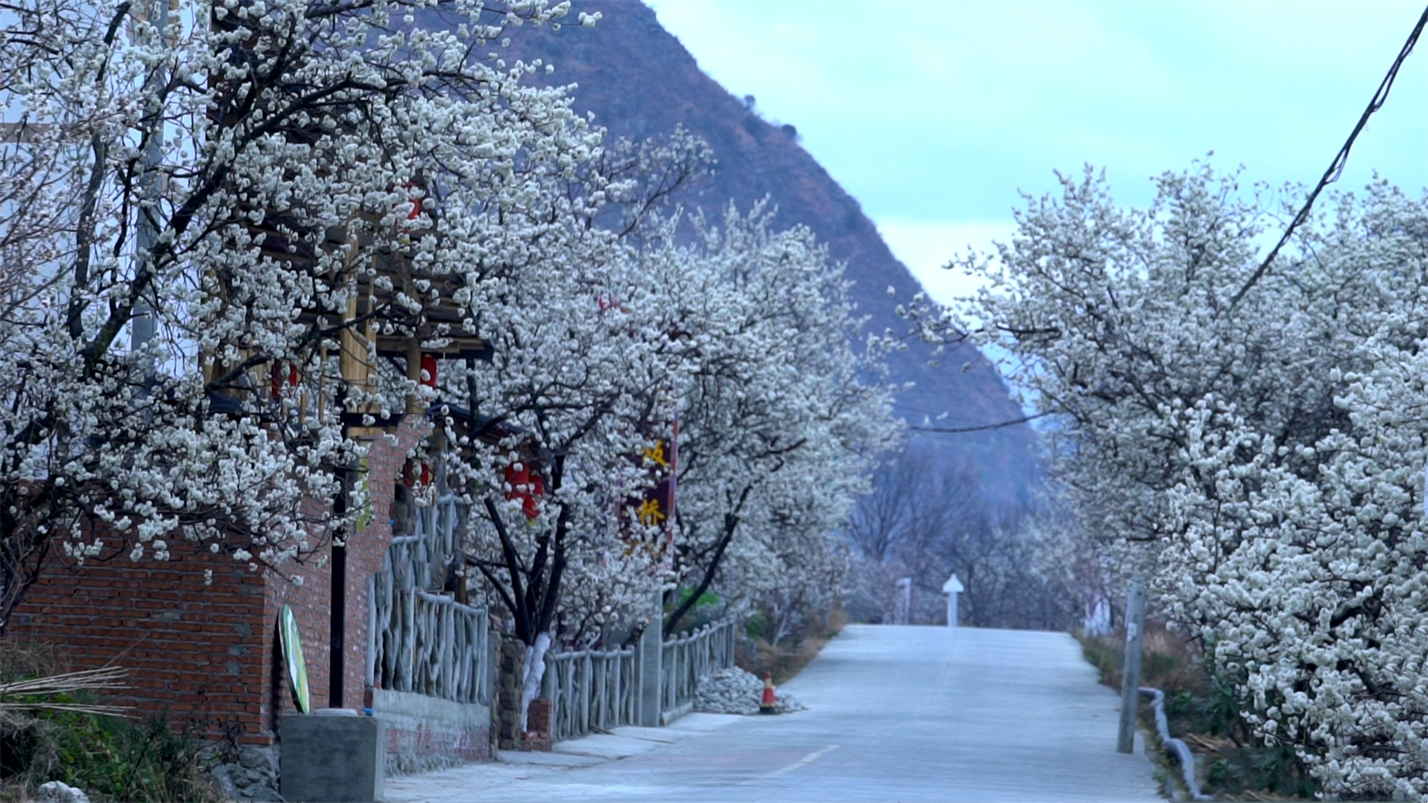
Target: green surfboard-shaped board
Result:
[297, 667]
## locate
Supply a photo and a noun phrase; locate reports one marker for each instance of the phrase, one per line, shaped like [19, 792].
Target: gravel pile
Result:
[734, 691]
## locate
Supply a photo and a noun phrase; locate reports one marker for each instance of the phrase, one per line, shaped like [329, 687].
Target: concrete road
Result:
[895, 714]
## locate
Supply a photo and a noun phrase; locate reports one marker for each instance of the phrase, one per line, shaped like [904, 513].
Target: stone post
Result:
[333, 755]
[508, 693]
[902, 615]
[538, 725]
[651, 656]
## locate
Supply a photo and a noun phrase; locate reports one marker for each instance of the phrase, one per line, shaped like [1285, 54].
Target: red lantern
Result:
[416, 474]
[277, 377]
[428, 370]
[526, 487]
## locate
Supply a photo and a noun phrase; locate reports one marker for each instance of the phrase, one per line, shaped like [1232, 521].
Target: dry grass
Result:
[786, 659]
[23, 660]
[55, 692]
[1169, 661]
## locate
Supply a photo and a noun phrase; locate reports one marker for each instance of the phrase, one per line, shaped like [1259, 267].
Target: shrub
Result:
[108, 757]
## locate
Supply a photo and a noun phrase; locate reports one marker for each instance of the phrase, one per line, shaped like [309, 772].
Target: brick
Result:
[214, 662]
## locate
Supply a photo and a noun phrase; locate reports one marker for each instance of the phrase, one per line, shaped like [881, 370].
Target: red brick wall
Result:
[310, 602]
[208, 652]
[368, 549]
[193, 650]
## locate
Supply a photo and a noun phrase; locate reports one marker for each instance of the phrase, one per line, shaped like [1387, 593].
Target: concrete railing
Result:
[688, 659]
[430, 644]
[590, 689]
[1174, 747]
[419, 641]
[419, 559]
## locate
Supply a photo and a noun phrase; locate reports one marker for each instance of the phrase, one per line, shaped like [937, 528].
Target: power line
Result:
[983, 428]
[1336, 168]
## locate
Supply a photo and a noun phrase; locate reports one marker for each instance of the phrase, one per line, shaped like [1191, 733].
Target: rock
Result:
[60, 792]
[223, 779]
[787, 704]
[253, 776]
[265, 795]
[734, 691]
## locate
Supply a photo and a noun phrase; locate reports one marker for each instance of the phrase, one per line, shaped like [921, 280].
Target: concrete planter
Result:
[336, 759]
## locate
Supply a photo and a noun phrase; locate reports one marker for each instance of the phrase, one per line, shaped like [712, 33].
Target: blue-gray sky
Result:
[935, 115]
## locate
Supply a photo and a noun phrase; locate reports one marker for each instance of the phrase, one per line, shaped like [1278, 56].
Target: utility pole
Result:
[1130, 671]
[146, 235]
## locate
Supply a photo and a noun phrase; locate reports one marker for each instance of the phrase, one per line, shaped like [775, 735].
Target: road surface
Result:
[895, 714]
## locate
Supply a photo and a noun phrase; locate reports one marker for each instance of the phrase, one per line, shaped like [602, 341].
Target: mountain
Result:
[639, 81]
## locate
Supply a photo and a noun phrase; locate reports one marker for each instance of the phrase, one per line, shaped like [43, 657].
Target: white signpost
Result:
[902, 613]
[952, 588]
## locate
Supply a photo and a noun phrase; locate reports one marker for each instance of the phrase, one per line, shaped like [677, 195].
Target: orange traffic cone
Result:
[769, 704]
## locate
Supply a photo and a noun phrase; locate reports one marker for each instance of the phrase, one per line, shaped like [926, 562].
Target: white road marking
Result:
[806, 760]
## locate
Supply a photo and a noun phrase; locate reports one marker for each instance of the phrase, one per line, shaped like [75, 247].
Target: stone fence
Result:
[690, 658]
[591, 690]
[432, 645]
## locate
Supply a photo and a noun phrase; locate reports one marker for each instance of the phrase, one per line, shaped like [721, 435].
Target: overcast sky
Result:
[935, 115]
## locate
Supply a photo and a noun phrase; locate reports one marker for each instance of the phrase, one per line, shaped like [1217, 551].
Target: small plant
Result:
[118, 759]
[706, 609]
[755, 625]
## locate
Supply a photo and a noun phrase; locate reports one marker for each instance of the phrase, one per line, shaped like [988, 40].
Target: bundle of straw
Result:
[106, 678]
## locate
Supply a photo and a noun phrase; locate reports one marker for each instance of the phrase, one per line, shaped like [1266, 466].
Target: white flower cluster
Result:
[782, 415]
[741, 339]
[1263, 461]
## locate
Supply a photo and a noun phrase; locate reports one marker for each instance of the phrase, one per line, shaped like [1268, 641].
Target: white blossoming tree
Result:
[230, 231]
[741, 342]
[781, 416]
[1262, 461]
[243, 187]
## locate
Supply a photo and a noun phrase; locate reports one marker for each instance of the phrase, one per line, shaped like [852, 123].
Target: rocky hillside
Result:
[638, 81]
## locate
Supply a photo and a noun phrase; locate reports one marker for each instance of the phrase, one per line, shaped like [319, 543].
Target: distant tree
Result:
[925, 520]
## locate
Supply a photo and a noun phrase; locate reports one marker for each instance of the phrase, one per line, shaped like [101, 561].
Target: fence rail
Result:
[590, 689]
[691, 657]
[419, 641]
[419, 558]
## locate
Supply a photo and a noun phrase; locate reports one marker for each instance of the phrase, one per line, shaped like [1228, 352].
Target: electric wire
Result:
[1336, 168]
